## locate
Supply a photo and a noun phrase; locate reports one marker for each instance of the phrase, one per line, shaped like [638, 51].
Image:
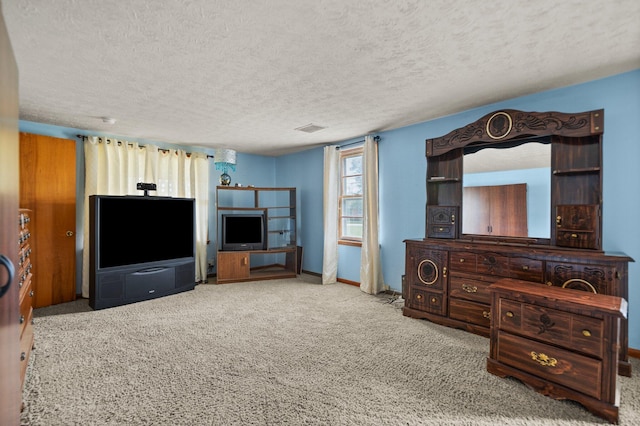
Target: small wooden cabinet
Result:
[25, 283]
[562, 343]
[279, 258]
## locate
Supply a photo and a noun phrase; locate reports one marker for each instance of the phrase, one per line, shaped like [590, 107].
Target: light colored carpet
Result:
[275, 352]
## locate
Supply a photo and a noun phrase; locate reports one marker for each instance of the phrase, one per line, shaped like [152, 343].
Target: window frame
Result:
[352, 152]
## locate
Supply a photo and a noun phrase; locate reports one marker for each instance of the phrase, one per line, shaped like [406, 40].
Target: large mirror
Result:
[507, 189]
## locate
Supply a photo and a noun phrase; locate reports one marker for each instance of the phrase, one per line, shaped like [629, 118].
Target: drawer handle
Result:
[21, 319]
[444, 272]
[23, 356]
[525, 267]
[419, 297]
[486, 314]
[544, 360]
[462, 260]
[586, 333]
[469, 288]
[574, 235]
[434, 300]
[509, 314]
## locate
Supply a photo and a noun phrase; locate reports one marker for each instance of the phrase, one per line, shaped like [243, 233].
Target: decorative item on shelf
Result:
[225, 160]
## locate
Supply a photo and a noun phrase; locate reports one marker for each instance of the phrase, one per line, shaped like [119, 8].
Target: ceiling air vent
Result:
[309, 128]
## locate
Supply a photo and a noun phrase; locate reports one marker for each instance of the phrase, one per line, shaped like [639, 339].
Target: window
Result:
[350, 203]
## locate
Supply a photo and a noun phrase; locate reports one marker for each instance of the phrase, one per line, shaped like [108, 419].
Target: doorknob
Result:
[4, 261]
[69, 233]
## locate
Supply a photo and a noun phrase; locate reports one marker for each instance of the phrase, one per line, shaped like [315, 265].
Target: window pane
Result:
[352, 227]
[352, 207]
[352, 165]
[352, 185]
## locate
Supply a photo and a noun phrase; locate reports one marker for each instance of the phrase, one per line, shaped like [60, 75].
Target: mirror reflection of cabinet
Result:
[495, 210]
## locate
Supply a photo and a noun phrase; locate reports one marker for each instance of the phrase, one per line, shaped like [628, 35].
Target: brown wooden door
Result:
[48, 188]
[10, 393]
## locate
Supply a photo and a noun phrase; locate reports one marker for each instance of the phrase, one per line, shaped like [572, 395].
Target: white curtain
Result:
[330, 201]
[371, 278]
[115, 167]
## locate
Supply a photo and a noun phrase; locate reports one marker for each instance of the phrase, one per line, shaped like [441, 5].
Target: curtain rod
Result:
[83, 137]
[375, 139]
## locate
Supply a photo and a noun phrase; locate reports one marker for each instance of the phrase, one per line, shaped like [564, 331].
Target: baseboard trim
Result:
[634, 353]
[353, 283]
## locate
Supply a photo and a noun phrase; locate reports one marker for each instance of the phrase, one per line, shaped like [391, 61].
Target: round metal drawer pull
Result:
[486, 314]
[509, 314]
[419, 297]
[461, 260]
[525, 268]
[434, 300]
[586, 333]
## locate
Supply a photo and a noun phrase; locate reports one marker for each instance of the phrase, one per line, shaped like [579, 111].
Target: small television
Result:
[243, 232]
[132, 230]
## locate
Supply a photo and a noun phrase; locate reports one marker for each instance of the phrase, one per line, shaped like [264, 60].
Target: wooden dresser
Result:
[562, 343]
[558, 237]
[25, 283]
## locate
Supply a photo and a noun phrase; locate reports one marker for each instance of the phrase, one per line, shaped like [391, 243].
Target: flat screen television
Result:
[130, 230]
[243, 232]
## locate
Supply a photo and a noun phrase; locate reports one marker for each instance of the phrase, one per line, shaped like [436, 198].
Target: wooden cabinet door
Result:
[233, 265]
[48, 188]
[10, 393]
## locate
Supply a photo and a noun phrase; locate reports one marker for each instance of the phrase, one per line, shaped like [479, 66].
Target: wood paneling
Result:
[48, 187]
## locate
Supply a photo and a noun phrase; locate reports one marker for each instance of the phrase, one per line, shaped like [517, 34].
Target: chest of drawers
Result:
[447, 281]
[26, 288]
[563, 343]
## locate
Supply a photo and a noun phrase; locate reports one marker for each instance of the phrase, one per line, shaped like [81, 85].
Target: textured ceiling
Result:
[245, 74]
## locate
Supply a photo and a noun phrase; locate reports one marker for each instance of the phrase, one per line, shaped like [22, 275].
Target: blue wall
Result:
[403, 170]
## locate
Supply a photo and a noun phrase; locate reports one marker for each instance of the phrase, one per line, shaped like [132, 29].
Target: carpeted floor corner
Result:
[281, 352]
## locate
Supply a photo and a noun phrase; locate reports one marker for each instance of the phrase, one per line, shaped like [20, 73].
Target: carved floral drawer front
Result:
[471, 312]
[493, 264]
[526, 269]
[462, 261]
[556, 365]
[592, 278]
[470, 289]
[584, 334]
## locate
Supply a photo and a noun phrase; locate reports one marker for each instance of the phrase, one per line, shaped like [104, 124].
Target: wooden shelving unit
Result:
[279, 260]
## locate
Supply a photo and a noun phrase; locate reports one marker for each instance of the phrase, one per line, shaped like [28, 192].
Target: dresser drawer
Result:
[426, 301]
[471, 312]
[572, 331]
[597, 279]
[526, 269]
[572, 370]
[462, 261]
[470, 289]
[493, 264]
[26, 303]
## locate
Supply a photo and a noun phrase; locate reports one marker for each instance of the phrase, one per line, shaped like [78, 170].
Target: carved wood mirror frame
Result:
[576, 174]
